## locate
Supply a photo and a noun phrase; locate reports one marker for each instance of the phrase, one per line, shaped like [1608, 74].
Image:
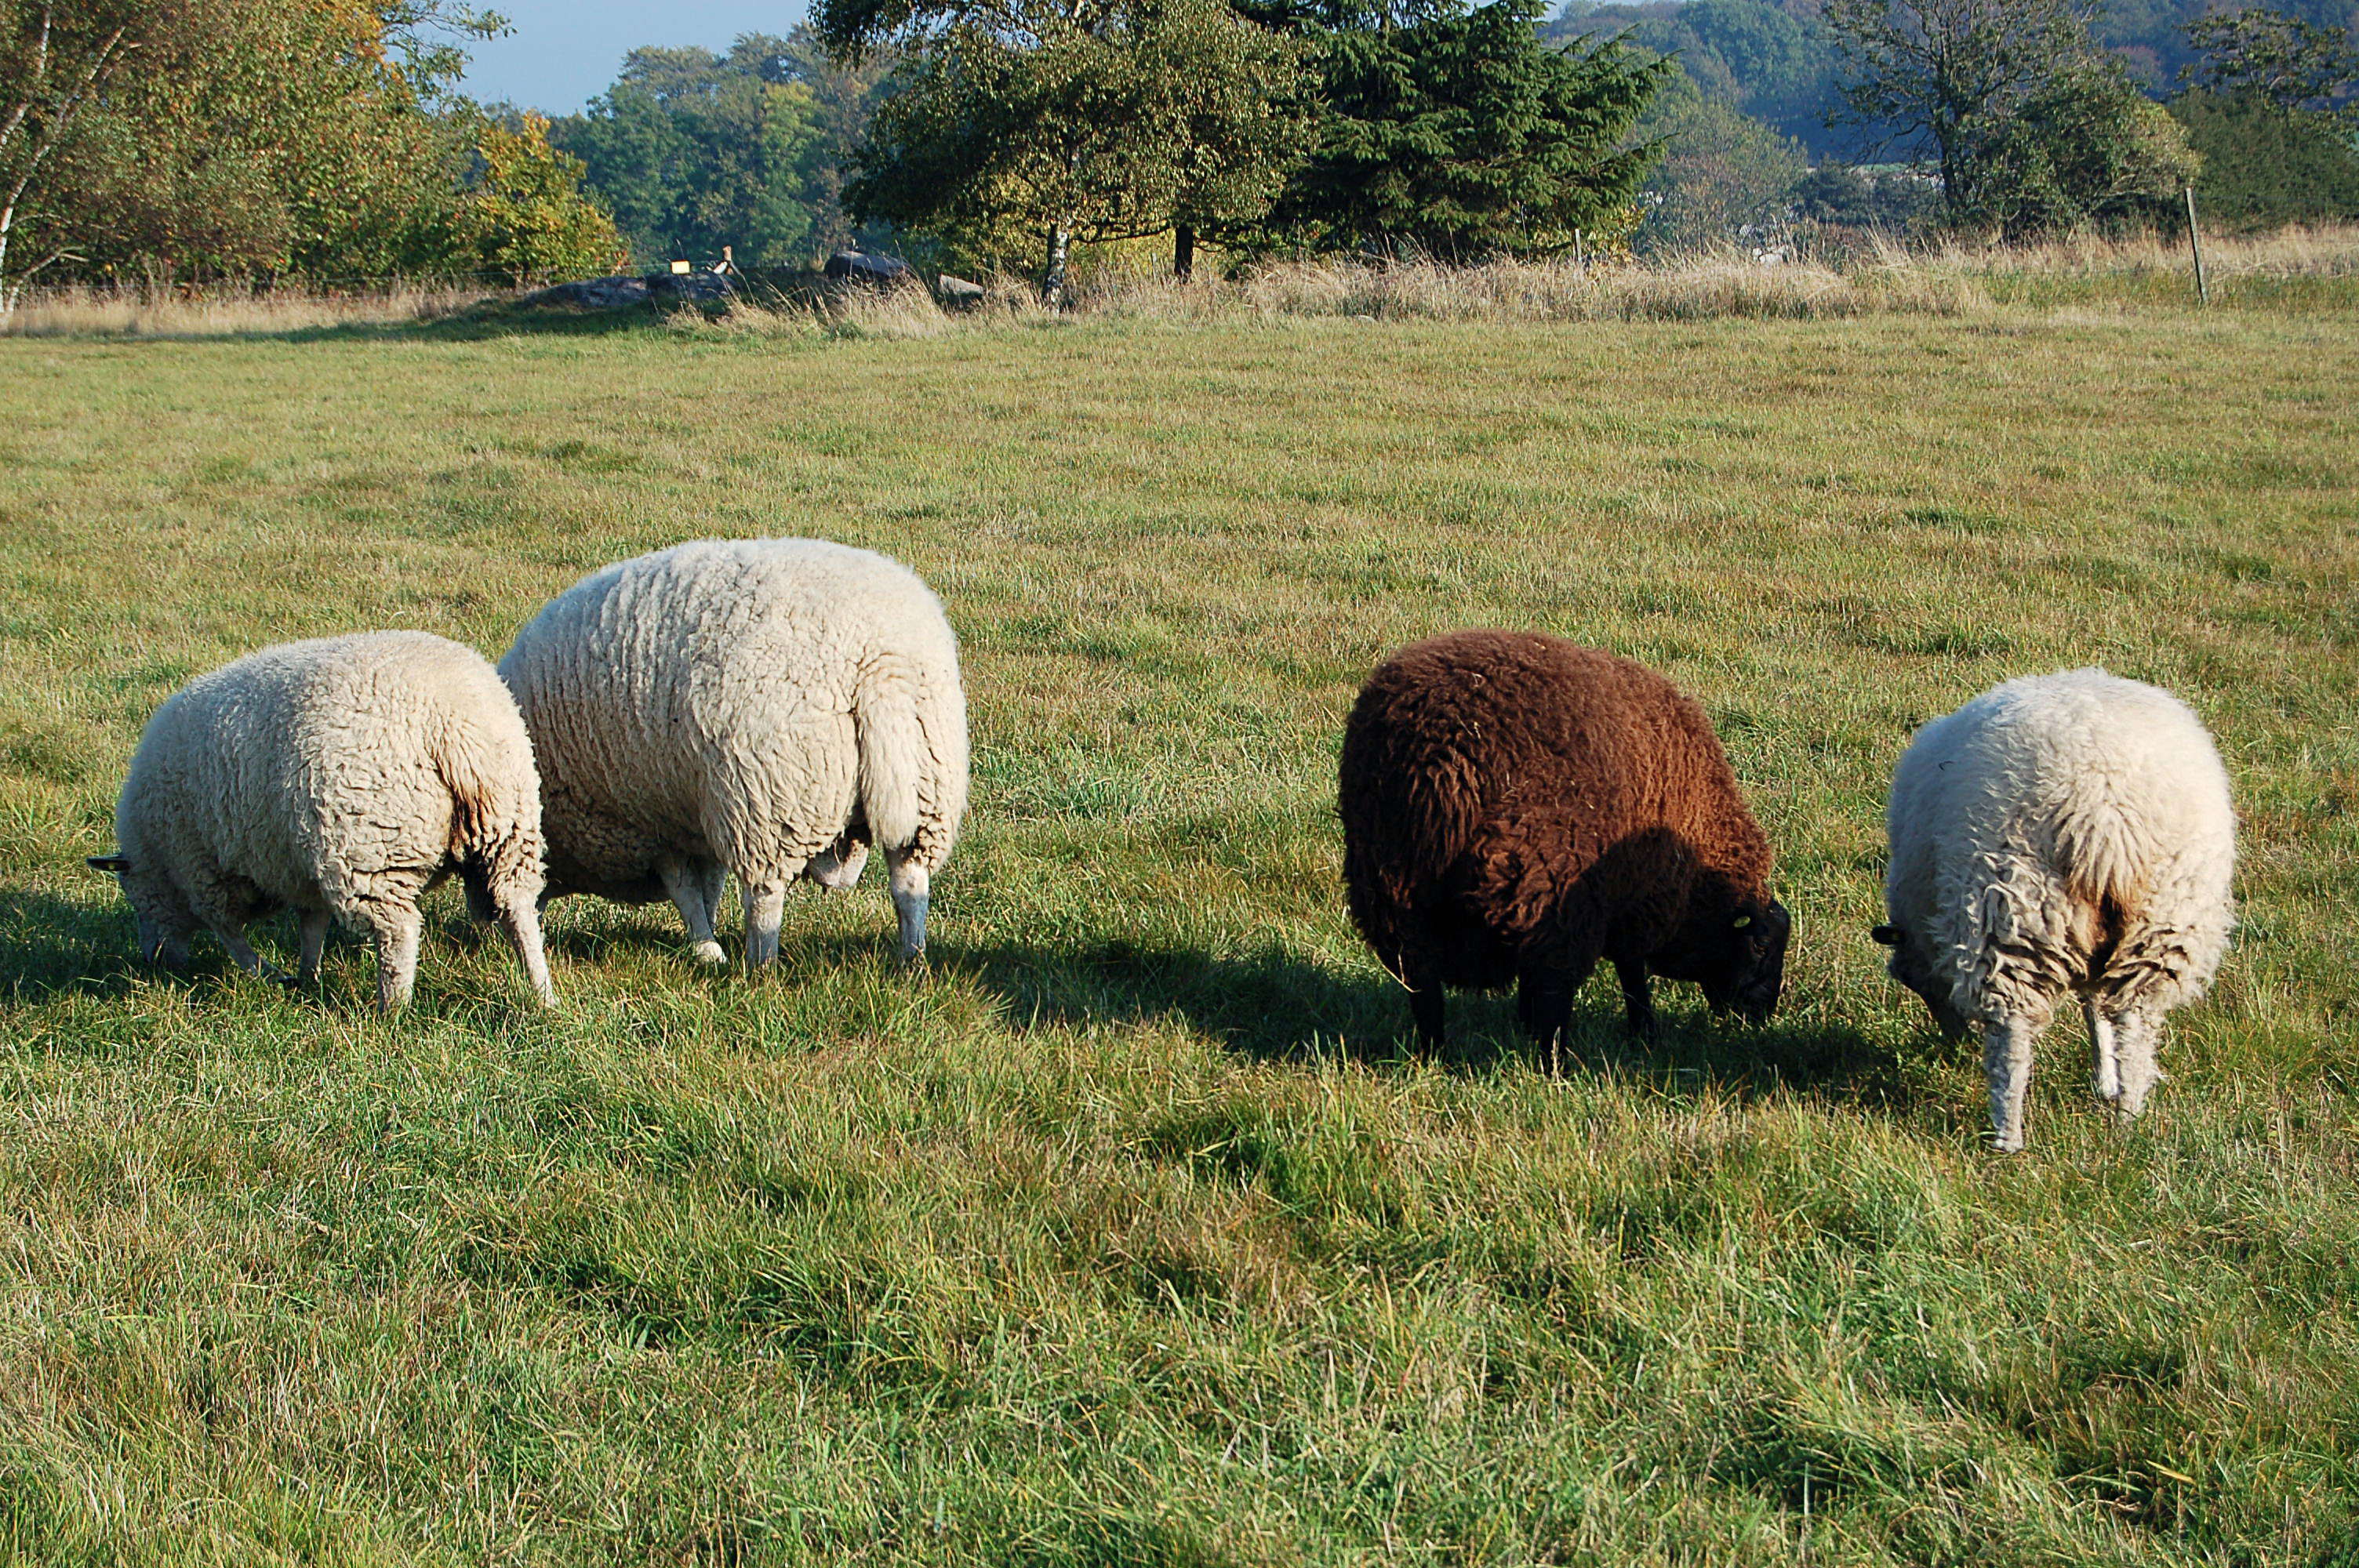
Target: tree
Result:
[1023, 126]
[1461, 136]
[1720, 172]
[522, 216]
[54, 59]
[2031, 127]
[2282, 60]
[2273, 114]
[260, 139]
[695, 150]
[1778, 65]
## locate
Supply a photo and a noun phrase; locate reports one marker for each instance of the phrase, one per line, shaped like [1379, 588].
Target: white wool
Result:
[766, 707]
[2060, 833]
[338, 777]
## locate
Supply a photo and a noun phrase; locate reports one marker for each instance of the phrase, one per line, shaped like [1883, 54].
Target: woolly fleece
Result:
[342, 777]
[1517, 806]
[766, 707]
[2058, 833]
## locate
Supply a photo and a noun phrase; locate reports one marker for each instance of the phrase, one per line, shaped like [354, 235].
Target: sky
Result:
[564, 52]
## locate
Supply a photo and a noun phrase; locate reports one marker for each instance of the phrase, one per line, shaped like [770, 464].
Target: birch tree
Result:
[54, 58]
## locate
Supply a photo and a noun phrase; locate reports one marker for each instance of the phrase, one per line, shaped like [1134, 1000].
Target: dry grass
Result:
[227, 310]
[1886, 279]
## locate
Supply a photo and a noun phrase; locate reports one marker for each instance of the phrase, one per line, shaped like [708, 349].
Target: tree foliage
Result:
[1775, 65]
[2286, 62]
[254, 137]
[1019, 127]
[1722, 171]
[1460, 136]
[2031, 125]
[694, 151]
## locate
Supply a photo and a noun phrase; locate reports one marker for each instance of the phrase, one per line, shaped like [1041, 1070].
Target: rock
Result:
[705, 289]
[858, 266]
[957, 293]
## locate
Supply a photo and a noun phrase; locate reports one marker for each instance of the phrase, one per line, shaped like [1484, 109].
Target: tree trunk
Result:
[1183, 252]
[1052, 282]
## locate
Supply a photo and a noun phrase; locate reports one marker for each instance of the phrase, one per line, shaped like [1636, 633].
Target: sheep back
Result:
[745, 701]
[1512, 801]
[2060, 831]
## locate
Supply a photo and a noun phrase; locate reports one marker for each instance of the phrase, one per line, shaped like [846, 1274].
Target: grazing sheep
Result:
[2064, 832]
[1518, 806]
[341, 776]
[767, 707]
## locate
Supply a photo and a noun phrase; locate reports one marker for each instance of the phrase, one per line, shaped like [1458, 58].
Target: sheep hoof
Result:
[708, 952]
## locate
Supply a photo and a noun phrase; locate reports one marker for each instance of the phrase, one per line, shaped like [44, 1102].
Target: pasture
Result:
[1124, 1232]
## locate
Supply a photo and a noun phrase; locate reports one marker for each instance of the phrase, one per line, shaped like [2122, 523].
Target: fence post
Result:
[2202, 284]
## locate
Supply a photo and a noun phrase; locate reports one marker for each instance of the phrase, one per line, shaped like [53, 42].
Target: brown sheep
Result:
[1517, 807]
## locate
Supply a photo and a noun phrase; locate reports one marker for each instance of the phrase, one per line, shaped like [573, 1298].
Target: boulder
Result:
[859, 266]
[957, 293]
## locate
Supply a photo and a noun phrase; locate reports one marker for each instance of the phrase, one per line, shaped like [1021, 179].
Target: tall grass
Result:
[229, 309]
[2300, 267]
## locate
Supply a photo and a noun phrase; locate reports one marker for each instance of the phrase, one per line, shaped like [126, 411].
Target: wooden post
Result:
[2202, 284]
[1578, 258]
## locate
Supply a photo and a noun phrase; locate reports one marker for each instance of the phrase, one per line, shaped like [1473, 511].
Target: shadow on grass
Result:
[1275, 1006]
[53, 946]
[501, 320]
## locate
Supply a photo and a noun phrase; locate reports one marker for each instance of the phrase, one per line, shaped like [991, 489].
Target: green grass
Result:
[1125, 1233]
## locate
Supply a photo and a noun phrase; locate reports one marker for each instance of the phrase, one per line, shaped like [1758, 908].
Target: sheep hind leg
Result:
[2007, 1063]
[695, 889]
[397, 926]
[520, 918]
[1427, 1010]
[766, 905]
[912, 885]
[1543, 1006]
[2137, 1033]
[2105, 1044]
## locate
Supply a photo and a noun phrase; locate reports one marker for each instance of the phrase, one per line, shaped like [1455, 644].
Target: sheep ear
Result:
[116, 863]
[1740, 923]
[1889, 935]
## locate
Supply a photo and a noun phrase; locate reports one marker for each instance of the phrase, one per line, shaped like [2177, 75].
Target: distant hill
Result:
[1775, 60]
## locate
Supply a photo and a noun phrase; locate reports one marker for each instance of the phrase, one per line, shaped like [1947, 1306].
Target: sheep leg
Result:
[1425, 1010]
[313, 924]
[1638, 997]
[911, 884]
[219, 916]
[1543, 1005]
[2007, 1062]
[520, 918]
[396, 927]
[766, 906]
[2101, 1040]
[2137, 1036]
[695, 888]
[838, 872]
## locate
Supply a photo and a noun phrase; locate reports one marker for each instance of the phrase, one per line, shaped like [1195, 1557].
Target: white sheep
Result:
[342, 777]
[766, 707]
[2064, 832]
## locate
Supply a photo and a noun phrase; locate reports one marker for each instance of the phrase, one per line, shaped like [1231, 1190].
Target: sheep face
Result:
[1912, 968]
[1739, 960]
[163, 921]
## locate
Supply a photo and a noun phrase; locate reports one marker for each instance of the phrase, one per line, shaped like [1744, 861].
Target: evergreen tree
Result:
[1458, 134]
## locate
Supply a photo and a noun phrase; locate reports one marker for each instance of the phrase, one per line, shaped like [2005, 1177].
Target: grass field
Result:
[1124, 1233]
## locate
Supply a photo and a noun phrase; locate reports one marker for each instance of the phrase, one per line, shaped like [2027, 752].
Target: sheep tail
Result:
[912, 744]
[494, 814]
[2105, 865]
